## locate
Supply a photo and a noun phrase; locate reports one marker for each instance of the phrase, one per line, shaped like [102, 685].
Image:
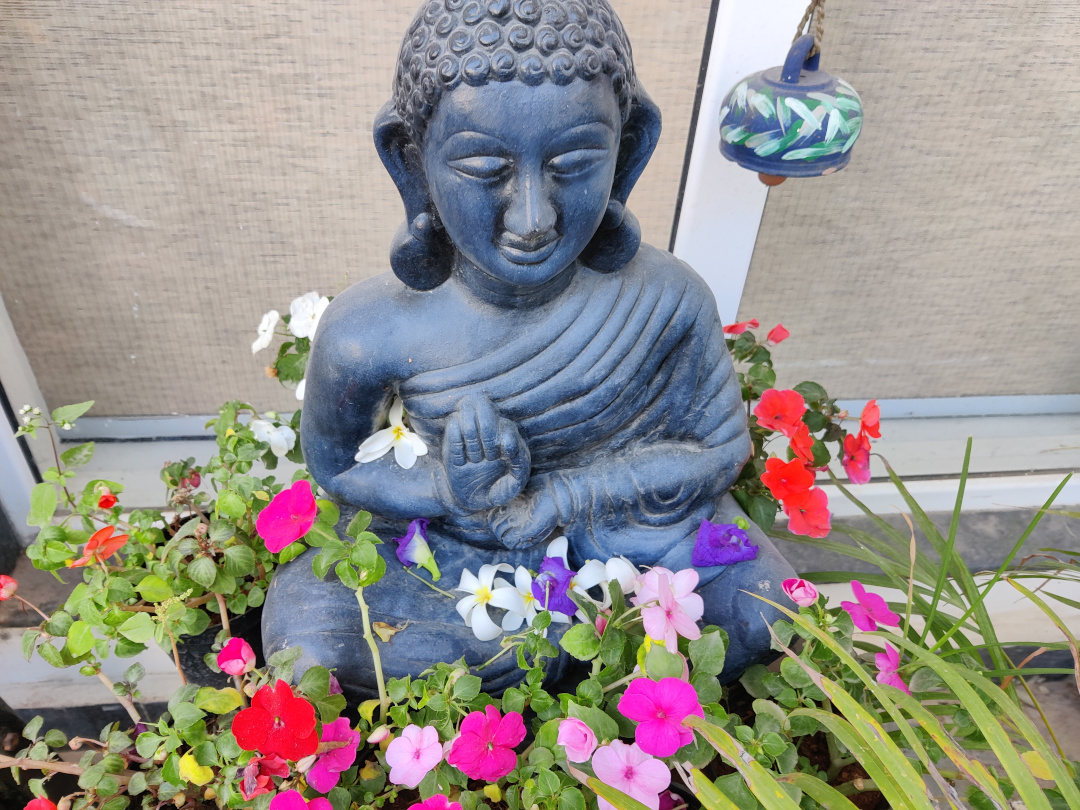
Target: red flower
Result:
[739, 328]
[802, 444]
[781, 411]
[856, 458]
[485, 748]
[100, 547]
[107, 500]
[786, 479]
[8, 586]
[277, 723]
[808, 513]
[256, 779]
[40, 804]
[870, 421]
[288, 517]
[778, 334]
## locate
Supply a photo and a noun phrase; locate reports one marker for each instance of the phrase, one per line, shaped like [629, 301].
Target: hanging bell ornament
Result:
[791, 121]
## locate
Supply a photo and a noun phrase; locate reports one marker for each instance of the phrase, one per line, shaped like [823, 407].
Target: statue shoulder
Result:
[657, 266]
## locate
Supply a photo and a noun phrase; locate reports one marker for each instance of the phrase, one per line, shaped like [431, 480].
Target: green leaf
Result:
[316, 683]
[203, 571]
[154, 589]
[361, 520]
[599, 721]
[571, 799]
[240, 561]
[42, 505]
[218, 701]
[137, 783]
[69, 413]
[794, 674]
[80, 639]
[581, 642]
[762, 511]
[29, 640]
[467, 687]
[139, 628]
[329, 513]
[659, 663]
[707, 653]
[185, 715]
[231, 504]
[78, 456]
[170, 771]
[227, 746]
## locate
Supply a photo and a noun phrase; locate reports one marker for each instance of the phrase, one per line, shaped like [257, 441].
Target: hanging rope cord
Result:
[815, 16]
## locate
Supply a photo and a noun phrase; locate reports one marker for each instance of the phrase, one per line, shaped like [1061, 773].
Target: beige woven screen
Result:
[170, 171]
[945, 260]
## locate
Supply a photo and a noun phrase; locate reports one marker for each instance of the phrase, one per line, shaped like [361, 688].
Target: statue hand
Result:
[528, 519]
[487, 462]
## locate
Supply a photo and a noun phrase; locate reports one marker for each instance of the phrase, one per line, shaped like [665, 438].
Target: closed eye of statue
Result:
[482, 167]
[577, 161]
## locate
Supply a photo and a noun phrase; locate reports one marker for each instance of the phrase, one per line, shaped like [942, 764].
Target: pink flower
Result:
[8, 586]
[293, 800]
[870, 420]
[678, 608]
[681, 584]
[236, 657]
[630, 770]
[256, 779]
[670, 800]
[780, 410]
[412, 755]
[799, 591]
[485, 748]
[739, 328]
[288, 517]
[870, 611]
[888, 664]
[659, 710]
[601, 624]
[577, 738]
[778, 334]
[436, 802]
[326, 772]
[856, 458]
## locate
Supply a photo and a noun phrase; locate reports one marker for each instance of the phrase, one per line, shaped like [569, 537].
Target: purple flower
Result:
[551, 584]
[413, 549]
[335, 686]
[722, 544]
[326, 772]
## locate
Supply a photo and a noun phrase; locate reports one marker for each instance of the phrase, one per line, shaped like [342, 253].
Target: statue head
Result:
[516, 133]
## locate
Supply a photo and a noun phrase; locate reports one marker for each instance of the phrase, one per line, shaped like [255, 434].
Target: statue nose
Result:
[531, 216]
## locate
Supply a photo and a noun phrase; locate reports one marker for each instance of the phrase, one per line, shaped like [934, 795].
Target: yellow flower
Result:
[493, 793]
[193, 772]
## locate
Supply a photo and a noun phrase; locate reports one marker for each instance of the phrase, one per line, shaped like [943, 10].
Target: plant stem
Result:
[857, 785]
[228, 632]
[621, 681]
[175, 653]
[124, 701]
[59, 466]
[411, 573]
[836, 762]
[380, 682]
[33, 607]
[56, 767]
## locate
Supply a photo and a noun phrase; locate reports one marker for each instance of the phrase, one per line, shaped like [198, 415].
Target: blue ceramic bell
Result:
[791, 121]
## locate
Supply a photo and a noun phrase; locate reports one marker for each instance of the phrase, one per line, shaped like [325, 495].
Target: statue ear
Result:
[619, 236]
[421, 255]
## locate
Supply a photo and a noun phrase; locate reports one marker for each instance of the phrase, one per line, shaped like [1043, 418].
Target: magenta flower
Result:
[413, 549]
[888, 664]
[668, 619]
[629, 769]
[412, 755]
[293, 800]
[799, 591]
[721, 544]
[485, 747]
[236, 657]
[551, 584]
[436, 802]
[659, 709]
[577, 738]
[870, 611]
[288, 517]
[326, 772]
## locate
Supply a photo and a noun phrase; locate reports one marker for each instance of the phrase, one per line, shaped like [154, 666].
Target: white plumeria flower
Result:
[300, 389]
[266, 331]
[593, 573]
[305, 312]
[406, 444]
[483, 591]
[281, 439]
[523, 582]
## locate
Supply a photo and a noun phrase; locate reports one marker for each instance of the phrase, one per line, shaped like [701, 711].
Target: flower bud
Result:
[378, 735]
[799, 591]
[8, 586]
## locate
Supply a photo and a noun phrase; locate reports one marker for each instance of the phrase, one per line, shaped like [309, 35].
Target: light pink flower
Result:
[236, 657]
[288, 517]
[799, 591]
[436, 802]
[485, 748]
[629, 769]
[577, 738]
[413, 754]
[681, 584]
[326, 772]
[293, 800]
[870, 611]
[668, 619]
[659, 709]
[888, 664]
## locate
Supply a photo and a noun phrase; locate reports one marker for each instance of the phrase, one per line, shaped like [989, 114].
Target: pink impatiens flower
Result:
[674, 614]
[236, 657]
[778, 334]
[659, 709]
[413, 754]
[485, 748]
[437, 802]
[799, 591]
[870, 611]
[577, 738]
[294, 800]
[888, 664]
[856, 458]
[630, 770]
[288, 517]
[325, 774]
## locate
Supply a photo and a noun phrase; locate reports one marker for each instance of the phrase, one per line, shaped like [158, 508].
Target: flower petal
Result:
[404, 454]
[482, 626]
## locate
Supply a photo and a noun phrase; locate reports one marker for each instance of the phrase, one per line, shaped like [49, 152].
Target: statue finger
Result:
[454, 445]
[515, 450]
[487, 427]
[470, 433]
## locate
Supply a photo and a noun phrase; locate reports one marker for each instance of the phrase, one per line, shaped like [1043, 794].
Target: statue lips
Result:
[521, 253]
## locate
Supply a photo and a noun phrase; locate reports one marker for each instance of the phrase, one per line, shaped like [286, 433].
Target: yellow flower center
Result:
[484, 595]
[399, 433]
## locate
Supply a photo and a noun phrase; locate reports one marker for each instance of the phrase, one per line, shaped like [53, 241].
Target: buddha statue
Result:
[565, 378]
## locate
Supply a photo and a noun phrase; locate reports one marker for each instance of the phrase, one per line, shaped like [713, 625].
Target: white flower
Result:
[406, 444]
[300, 389]
[482, 592]
[281, 439]
[523, 583]
[266, 331]
[593, 573]
[305, 312]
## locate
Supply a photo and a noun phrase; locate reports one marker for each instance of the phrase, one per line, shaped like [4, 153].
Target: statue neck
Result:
[503, 294]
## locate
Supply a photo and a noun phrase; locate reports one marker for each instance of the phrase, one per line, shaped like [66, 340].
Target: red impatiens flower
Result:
[107, 499]
[288, 517]
[780, 410]
[856, 459]
[100, 547]
[257, 775]
[8, 586]
[808, 513]
[40, 804]
[870, 421]
[786, 479]
[277, 723]
[778, 334]
[802, 444]
[739, 328]
[485, 748]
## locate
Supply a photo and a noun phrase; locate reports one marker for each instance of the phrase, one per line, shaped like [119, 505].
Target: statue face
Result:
[520, 175]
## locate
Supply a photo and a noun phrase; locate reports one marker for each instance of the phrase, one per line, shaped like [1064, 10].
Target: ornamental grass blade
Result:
[821, 792]
[710, 796]
[950, 543]
[619, 799]
[1064, 628]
